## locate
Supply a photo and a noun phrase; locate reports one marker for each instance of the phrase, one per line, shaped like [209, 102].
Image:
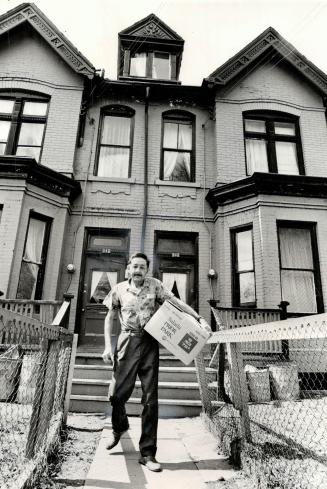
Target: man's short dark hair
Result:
[139, 255]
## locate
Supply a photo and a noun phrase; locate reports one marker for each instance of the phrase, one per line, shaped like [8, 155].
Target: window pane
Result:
[185, 136]
[138, 64]
[27, 281]
[295, 248]
[113, 162]
[244, 250]
[34, 242]
[2, 148]
[286, 158]
[286, 128]
[101, 285]
[247, 288]
[4, 130]
[161, 66]
[116, 130]
[177, 166]
[29, 151]
[256, 155]
[255, 126]
[6, 106]
[176, 283]
[170, 135]
[35, 108]
[30, 134]
[298, 288]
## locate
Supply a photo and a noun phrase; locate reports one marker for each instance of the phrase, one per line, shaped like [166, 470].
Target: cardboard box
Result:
[177, 331]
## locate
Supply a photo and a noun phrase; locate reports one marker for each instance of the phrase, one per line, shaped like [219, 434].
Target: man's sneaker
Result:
[150, 463]
[114, 439]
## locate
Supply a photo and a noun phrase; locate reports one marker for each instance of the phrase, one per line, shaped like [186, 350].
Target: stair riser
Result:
[164, 393]
[165, 411]
[100, 374]
[164, 362]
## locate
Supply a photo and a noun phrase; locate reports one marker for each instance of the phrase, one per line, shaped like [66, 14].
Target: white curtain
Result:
[256, 155]
[116, 130]
[102, 283]
[113, 162]
[298, 288]
[177, 166]
[295, 248]
[286, 158]
[169, 279]
[138, 64]
[185, 136]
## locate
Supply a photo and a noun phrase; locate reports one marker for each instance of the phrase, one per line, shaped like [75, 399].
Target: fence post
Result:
[70, 377]
[283, 315]
[239, 387]
[31, 438]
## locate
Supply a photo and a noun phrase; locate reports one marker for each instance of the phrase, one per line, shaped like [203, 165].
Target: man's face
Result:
[137, 270]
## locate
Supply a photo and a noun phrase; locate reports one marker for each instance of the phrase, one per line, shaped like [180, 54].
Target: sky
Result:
[213, 30]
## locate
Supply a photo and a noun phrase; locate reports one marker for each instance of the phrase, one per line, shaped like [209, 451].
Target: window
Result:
[34, 258]
[177, 147]
[273, 143]
[151, 65]
[244, 293]
[299, 269]
[115, 142]
[22, 124]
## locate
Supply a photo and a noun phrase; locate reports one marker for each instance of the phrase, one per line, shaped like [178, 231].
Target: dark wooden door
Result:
[102, 272]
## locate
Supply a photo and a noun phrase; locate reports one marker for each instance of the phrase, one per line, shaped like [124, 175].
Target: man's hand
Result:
[108, 355]
[205, 325]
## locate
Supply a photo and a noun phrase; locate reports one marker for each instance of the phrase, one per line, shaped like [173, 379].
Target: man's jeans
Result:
[136, 354]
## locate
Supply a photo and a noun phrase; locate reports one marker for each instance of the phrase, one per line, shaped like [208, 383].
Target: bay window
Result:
[22, 125]
[177, 147]
[32, 269]
[299, 269]
[115, 142]
[272, 143]
[244, 292]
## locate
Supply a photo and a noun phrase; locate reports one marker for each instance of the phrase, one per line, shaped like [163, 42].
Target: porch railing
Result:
[44, 311]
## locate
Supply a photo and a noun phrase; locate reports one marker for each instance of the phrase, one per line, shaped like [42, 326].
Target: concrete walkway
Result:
[187, 451]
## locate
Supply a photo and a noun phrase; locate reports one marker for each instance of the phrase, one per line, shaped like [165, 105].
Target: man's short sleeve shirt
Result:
[136, 305]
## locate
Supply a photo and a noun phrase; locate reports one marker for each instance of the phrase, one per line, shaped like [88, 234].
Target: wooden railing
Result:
[44, 311]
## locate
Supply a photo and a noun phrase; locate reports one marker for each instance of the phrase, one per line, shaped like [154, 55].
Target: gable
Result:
[151, 27]
[270, 41]
[29, 13]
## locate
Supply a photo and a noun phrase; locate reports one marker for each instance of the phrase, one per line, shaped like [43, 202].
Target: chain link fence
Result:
[34, 365]
[268, 403]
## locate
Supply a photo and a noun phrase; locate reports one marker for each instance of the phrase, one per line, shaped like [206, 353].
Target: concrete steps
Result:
[178, 387]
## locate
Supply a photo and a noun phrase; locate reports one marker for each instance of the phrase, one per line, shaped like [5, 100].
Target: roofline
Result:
[252, 52]
[29, 12]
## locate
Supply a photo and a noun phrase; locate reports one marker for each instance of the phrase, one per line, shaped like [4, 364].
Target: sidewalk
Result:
[187, 451]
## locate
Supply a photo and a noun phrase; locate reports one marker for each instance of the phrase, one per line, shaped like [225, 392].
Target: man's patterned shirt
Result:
[136, 305]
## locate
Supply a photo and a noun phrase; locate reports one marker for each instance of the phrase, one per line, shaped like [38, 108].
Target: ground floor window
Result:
[32, 269]
[244, 292]
[299, 267]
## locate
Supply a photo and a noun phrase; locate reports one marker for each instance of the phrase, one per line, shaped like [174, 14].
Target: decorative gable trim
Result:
[28, 12]
[153, 28]
[270, 39]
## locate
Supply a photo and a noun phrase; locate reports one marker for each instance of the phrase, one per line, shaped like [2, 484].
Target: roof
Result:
[269, 41]
[28, 12]
[153, 28]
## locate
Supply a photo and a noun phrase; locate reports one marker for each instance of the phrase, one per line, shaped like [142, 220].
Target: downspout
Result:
[146, 165]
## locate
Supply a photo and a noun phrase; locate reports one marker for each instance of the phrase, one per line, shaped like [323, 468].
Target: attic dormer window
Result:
[152, 64]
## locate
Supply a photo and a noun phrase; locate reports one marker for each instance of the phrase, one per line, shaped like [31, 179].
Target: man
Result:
[136, 353]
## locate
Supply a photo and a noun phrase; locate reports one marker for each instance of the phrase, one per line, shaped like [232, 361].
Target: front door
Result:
[104, 268]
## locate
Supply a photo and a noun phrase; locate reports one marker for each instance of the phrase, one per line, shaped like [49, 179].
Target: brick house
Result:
[223, 185]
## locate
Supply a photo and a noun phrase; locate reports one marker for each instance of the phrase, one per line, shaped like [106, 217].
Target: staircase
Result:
[178, 387]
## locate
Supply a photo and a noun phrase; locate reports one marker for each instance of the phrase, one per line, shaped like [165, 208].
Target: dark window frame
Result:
[312, 227]
[115, 111]
[269, 117]
[45, 245]
[178, 116]
[235, 273]
[16, 118]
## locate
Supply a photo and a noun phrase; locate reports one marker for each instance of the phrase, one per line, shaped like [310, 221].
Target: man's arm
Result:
[189, 310]
[108, 354]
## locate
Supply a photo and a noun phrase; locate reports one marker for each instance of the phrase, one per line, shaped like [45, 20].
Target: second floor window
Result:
[115, 143]
[177, 148]
[244, 293]
[272, 143]
[22, 125]
[32, 269]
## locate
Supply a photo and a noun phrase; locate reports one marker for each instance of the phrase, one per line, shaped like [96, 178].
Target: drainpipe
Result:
[146, 182]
